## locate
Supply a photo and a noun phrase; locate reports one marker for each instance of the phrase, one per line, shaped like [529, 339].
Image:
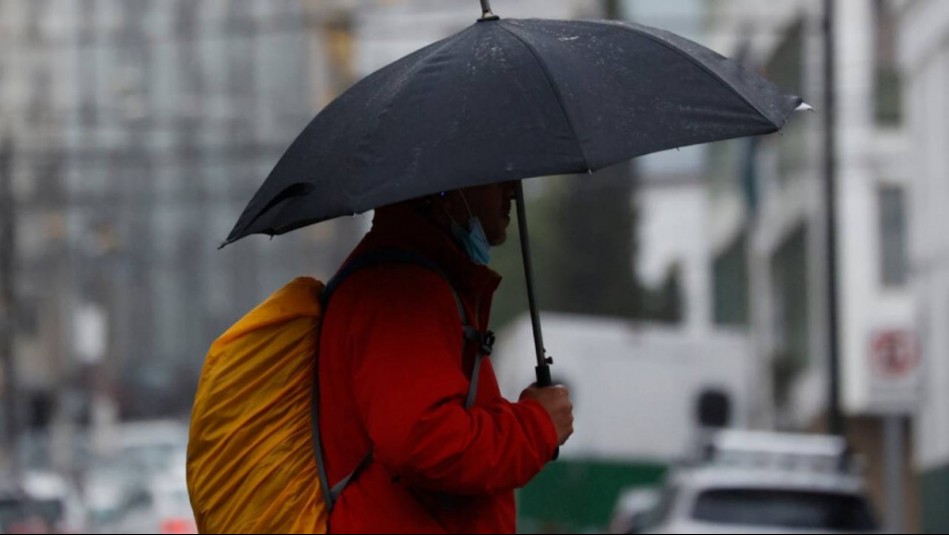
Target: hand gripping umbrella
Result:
[508, 99]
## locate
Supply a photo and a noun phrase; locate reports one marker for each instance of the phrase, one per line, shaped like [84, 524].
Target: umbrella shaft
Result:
[486, 11]
[543, 364]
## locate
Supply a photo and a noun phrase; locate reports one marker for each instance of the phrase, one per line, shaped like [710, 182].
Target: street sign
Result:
[894, 360]
[894, 354]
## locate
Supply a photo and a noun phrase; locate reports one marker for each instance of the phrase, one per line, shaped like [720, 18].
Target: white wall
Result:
[924, 54]
[633, 385]
[672, 216]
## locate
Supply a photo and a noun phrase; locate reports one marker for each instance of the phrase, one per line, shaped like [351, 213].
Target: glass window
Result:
[661, 513]
[27, 316]
[887, 86]
[786, 66]
[791, 319]
[785, 508]
[893, 245]
[789, 279]
[731, 279]
[786, 69]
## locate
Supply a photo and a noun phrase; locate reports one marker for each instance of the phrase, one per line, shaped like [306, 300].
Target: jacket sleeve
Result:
[410, 390]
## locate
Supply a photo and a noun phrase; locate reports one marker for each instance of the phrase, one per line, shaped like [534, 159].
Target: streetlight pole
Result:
[834, 418]
[611, 9]
[8, 303]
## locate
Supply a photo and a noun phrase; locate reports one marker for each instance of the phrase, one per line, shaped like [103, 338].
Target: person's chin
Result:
[498, 239]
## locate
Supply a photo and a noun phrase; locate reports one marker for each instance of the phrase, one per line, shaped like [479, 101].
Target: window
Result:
[794, 509]
[27, 316]
[40, 99]
[791, 322]
[36, 11]
[887, 85]
[786, 66]
[893, 246]
[731, 279]
[786, 69]
[662, 512]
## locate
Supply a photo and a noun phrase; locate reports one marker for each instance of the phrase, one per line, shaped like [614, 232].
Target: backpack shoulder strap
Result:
[484, 340]
[390, 256]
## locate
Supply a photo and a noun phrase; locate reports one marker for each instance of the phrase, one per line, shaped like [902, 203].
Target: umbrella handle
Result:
[542, 371]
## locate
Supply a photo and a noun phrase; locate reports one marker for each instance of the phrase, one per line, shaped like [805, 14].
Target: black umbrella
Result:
[504, 100]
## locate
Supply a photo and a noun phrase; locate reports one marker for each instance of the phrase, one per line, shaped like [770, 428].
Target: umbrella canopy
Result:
[508, 99]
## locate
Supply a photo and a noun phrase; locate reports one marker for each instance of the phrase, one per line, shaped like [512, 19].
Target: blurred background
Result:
[681, 294]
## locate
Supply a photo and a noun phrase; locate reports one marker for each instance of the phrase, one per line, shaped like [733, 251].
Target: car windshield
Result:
[785, 508]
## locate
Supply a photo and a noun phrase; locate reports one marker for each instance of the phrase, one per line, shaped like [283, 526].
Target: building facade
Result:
[924, 55]
[138, 132]
[769, 227]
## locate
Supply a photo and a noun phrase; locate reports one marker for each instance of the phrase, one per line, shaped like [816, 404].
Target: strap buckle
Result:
[487, 342]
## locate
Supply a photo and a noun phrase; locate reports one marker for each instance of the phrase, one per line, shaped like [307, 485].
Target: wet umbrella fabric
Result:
[509, 99]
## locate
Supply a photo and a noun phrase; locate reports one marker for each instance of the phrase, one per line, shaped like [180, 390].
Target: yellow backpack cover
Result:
[253, 448]
[251, 467]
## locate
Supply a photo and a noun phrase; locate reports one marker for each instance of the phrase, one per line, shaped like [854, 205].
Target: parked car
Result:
[54, 500]
[19, 514]
[125, 481]
[633, 511]
[756, 483]
[160, 505]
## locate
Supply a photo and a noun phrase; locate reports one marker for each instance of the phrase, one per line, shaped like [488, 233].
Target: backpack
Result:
[255, 462]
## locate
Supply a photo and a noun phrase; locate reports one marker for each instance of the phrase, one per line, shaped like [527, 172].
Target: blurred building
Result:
[672, 192]
[767, 219]
[138, 132]
[387, 31]
[924, 53]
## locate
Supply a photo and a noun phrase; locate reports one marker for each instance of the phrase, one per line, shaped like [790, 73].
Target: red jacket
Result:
[392, 378]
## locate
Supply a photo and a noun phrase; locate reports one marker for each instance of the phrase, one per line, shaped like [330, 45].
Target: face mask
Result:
[474, 241]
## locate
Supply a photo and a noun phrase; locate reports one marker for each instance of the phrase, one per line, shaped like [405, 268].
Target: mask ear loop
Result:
[467, 207]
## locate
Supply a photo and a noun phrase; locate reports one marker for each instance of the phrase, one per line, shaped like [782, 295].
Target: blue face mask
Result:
[474, 241]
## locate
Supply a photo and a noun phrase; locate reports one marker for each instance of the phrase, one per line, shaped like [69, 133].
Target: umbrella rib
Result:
[556, 92]
[636, 29]
[434, 51]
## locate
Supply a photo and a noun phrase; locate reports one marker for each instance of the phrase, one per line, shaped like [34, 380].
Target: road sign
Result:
[894, 354]
[894, 361]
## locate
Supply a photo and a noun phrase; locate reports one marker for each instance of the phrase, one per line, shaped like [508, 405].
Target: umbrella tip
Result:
[486, 13]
